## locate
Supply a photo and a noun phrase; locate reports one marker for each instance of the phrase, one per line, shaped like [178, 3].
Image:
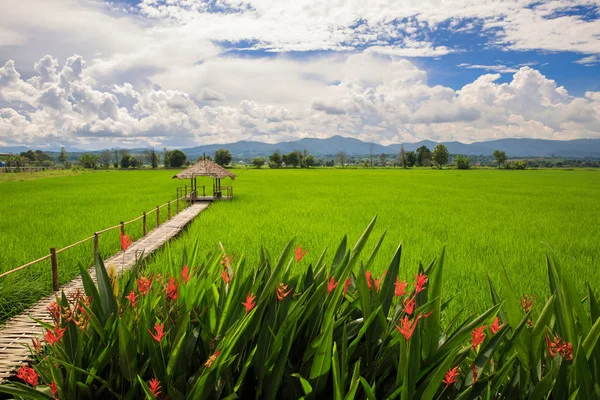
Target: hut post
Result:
[169, 211]
[144, 222]
[157, 216]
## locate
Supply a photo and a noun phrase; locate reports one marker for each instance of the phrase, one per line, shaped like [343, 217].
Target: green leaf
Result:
[432, 324]
[335, 370]
[304, 383]
[177, 344]
[24, 391]
[322, 361]
[339, 254]
[368, 389]
[107, 297]
[591, 339]
[388, 288]
[438, 376]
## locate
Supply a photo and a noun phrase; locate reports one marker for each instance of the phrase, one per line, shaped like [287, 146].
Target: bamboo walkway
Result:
[18, 331]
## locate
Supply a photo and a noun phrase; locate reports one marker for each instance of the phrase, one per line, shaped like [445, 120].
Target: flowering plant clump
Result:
[215, 328]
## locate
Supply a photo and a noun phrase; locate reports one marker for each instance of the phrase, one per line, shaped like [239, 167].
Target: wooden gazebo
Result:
[207, 168]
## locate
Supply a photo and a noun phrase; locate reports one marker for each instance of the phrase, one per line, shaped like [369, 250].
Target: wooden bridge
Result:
[19, 331]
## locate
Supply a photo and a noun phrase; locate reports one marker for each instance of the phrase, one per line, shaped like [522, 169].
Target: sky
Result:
[97, 74]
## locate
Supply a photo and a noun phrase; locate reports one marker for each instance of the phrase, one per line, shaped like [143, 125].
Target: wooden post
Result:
[54, 269]
[168, 211]
[144, 222]
[157, 216]
[96, 237]
[122, 228]
[184, 197]
[203, 190]
[177, 209]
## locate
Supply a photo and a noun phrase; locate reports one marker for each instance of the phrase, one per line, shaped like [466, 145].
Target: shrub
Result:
[223, 330]
[463, 162]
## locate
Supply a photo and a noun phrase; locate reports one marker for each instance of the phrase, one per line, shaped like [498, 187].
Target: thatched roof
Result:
[204, 168]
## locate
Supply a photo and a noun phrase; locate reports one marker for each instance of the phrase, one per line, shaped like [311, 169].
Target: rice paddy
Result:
[58, 208]
[487, 220]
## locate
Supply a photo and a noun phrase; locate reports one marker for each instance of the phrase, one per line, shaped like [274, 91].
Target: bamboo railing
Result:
[96, 236]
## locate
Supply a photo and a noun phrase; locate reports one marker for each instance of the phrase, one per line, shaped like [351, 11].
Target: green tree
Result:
[500, 157]
[152, 157]
[104, 158]
[293, 159]
[402, 157]
[177, 158]
[223, 157]
[126, 161]
[382, 159]
[88, 160]
[463, 162]
[29, 155]
[275, 159]
[258, 162]
[63, 157]
[423, 156]
[440, 155]
[411, 158]
[41, 156]
[310, 161]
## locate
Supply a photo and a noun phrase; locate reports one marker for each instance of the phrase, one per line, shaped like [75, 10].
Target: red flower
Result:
[54, 390]
[300, 254]
[144, 284]
[477, 336]
[407, 327]
[185, 274]
[451, 376]
[495, 326]
[37, 345]
[347, 285]
[212, 359]
[331, 285]
[125, 241]
[227, 260]
[281, 291]
[154, 387]
[54, 337]
[226, 277]
[54, 311]
[172, 289]
[131, 297]
[249, 303]
[558, 346]
[527, 302]
[160, 332]
[28, 375]
[400, 288]
[378, 281]
[420, 281]
[369, 276]
[409, 305]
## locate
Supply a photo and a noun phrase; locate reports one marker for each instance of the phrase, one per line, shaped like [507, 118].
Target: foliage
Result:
[423, 156]
[223, 157]
[500, 157]
[63, 157]
[520, 164]
[292, 159]
[334, 331]
[152, 157]
[440, 155]
[175, 158]
[402, 158]
[258, 162]
[411, 158]
[104, 158]
[88, 161]
[463, 162]
[275, 160]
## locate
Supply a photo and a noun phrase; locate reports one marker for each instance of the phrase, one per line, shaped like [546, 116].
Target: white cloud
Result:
[588, 61]
[364, 95]
[503, 69]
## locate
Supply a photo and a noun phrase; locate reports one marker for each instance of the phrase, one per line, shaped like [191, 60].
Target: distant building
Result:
[2, 164]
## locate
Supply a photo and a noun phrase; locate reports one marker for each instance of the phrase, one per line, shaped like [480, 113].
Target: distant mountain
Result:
[579, 148]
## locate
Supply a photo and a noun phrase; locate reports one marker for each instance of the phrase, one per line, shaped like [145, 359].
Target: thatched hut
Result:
[207, 168]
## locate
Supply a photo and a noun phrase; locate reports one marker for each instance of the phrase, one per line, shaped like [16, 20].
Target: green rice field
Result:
[58, 208]
[486, 219]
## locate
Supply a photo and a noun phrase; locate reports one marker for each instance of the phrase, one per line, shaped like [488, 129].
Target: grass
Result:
[487, 219]
[58, 208]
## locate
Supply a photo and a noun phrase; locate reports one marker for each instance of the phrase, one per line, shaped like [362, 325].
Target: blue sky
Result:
[94, 74]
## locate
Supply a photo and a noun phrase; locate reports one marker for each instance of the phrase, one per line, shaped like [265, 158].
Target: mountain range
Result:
[578, 148]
